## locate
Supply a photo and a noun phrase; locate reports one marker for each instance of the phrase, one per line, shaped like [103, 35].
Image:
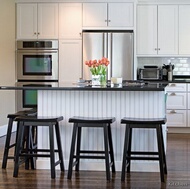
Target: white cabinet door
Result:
[37, 21]
[184, 29]
[94, 14]
[70, 58]
[26, 21]
[108, 14]
[168, 29]
[120, 14]
[147, 30]
[70, 20]
[177, 118]
[174, 87]
[176, 100]
[157, 30]
[48, 21]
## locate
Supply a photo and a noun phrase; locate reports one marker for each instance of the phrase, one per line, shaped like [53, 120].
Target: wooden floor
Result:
[178, 160]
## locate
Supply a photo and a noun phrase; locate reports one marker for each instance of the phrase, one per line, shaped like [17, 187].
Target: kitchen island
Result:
[131, 100]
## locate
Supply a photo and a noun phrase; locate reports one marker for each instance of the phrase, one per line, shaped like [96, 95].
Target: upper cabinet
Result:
[108, 14]
[184, 29]
[157, 30]
[37, 21]
[70, 20]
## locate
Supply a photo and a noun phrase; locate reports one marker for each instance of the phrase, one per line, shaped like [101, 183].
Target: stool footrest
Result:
[143, 153]
[142, 158]
[91, 157]
[91, 152]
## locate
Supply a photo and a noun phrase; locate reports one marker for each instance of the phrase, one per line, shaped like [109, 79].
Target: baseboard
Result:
[137, 166]
[3, 129]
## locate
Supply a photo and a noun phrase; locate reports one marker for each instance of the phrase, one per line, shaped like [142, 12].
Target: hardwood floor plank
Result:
[178, 162]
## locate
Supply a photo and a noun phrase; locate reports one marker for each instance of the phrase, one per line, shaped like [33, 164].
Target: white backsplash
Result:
[182, 65]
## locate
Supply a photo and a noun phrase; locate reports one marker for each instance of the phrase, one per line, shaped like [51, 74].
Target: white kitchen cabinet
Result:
[184, 29]
[176, 118]
[176, 87]
[177, 107]
[108, 14]
[157, 29]
[70, 58]
[70, 20]
[177, 100]
[37, 21]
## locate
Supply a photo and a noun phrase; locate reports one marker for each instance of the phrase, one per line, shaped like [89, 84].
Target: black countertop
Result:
[127, 86]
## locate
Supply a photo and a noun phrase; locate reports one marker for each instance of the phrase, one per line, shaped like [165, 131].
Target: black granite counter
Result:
[126, 86]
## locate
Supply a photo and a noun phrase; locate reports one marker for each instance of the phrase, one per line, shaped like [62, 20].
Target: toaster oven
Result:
[150, 73]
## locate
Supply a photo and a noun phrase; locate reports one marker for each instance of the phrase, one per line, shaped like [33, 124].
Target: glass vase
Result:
[103, 79]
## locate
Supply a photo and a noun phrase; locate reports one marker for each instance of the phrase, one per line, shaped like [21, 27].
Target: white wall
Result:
[7, 58]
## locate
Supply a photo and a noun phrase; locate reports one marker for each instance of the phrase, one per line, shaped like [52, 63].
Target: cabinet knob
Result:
[155, 49]
[172, 111]
[109, 20]
[159, 49]
[106, 20]
[80, 33]
[34, 33]
[38, 33]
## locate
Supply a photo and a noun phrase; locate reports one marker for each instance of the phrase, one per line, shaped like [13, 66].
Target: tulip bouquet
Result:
[98, 69]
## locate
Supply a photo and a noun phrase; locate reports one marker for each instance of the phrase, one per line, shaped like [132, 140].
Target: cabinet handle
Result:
[80, 33]
[172, 85]
[172, 94]
[109, 20]
[155, 49]
[38, 33]
[173, 112]
[106, 20]
[34, 33]
[159, 49]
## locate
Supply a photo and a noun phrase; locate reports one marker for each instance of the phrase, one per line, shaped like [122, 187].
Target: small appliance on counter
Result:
[167, 71]
[150, 73]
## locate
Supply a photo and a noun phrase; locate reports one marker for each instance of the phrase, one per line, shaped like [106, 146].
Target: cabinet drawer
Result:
[176, 100]
[176, 118]
[176, 87]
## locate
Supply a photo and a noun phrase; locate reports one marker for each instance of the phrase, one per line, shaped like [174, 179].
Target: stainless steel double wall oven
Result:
[36, 65]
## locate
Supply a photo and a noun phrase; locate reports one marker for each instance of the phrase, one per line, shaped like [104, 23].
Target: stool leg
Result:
[7, 143]
[111, 148]
[32, 146]
[72, 151]
[18, 148]
[163, 149]
[60, 152]
[125, 150]
[52, 152]
[27, 145]
[129, 150]
[160, 153]
[78, 149]
[106, 152]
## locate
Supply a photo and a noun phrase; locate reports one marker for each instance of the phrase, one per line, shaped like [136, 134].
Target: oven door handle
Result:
[37, 51]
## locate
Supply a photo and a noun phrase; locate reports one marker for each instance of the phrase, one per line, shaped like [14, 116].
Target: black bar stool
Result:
[8, 144]
[104, 123]
[51, 122]
[147, 123]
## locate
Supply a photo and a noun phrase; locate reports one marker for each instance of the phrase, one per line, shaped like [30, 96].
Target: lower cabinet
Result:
[177, 105]
[177, 118]
[70, 57]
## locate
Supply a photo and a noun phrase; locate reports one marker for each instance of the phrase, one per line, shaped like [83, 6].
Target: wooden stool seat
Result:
[99, 122]
[31, 121]
[128, 154]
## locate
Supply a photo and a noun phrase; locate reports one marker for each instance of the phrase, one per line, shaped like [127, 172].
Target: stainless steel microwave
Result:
[150, 73]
